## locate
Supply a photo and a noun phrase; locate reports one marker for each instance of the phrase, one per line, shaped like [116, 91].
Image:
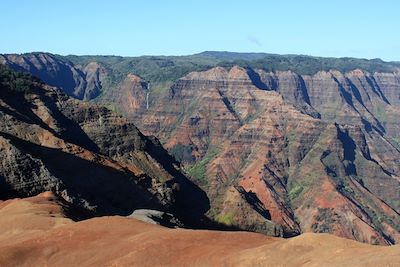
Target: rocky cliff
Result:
[286, 168]
[87, 154]
[83, 83]
[281, 152]
[370, 100]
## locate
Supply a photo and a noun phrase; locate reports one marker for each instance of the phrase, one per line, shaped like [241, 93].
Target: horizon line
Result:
[198, 53]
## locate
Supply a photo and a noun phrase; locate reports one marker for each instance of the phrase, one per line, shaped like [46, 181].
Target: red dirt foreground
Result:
[36, 232]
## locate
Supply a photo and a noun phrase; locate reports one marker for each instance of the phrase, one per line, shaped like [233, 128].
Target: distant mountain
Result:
[91, 77]
[281, 144]
[230, 56]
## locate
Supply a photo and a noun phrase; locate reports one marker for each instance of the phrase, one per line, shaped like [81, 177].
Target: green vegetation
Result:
[225, 218]
[163, 70]
[198, 170]
[375, 213]
[230, 56]
[343, 186]
[295, 191]
[380, 113]
[377, 217]
[299, 186]
[16, 81]
[158, 70]
[396, 141]
[337, 171]
[324, 220]
[308, 65]
[374, 170]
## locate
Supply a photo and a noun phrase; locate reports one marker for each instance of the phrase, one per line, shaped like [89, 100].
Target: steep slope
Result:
[283, 146]
[132, 94]
[77, 81]
[87, 154]
[37, 232]
[260, 158]
[370, 100]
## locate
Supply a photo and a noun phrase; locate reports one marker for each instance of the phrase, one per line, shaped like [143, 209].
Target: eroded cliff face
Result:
[90, 156]
[355, 98]
[83, 83]
[277, 164]
[278, 152]
[130, 96]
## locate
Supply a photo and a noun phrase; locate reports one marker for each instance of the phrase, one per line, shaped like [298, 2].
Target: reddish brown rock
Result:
[277, 157]
[37, 232]
[264, 145]
[89, 155]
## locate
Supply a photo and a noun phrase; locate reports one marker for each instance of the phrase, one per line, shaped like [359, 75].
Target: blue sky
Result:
[368, 29]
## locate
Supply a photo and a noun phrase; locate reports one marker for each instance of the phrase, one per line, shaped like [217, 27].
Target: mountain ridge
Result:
[292, 153]
[87, 154]
[213, 53]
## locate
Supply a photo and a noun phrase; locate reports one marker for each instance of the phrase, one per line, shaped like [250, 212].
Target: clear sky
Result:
[356, 28]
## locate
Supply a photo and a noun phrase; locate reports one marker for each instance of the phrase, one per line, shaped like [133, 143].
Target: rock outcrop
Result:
[370, 100]
[83, 83]
[277, 152]
[90, 156]
[156, 217]
[278, 160]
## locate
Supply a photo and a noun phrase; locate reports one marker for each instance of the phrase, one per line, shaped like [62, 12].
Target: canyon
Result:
[89, 155]
[275, 151]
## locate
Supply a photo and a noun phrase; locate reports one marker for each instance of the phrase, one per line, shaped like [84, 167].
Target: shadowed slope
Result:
[89, 155]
